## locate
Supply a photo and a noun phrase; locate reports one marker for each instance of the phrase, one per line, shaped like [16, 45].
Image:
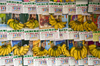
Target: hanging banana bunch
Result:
[39, 51]
[90, 26]
[20, 50]
[56, 22]
[31, 24]
[15, 24]
[79, 53]
[94, 50]
[77, 25]
[5, 50]
[55, 51]
[64, 50]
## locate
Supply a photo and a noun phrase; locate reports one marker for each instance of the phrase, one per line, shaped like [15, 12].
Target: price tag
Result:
[81, 62]
[64, 34]
[44, 34]
[89, 36]
[6, 60]
[17, 60]
[49, 34]
[90, 7]
[40, 61]
[9, 61]
[65, 8]
[96, 8]
[81, 9]
[96, 35]
[2, 7]
[76, 36]
[72, 33]
[58, 60]
[34, 34]
[29, 7]
[41, 8]
[50, 61]
[3, 35]
[26, 35]
[28, 60]
[65, 61]
[32, 9]
[45, 9]
[8, 7]
[14, 7]
[15, 34]
[58, 8]
[90, 60]
[51, 8]
[71, 61]
[72, 8]
[82, 35]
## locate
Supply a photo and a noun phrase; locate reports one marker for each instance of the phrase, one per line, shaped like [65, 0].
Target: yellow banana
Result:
[10, 20]
[51, 16]
[85, 51]
[79, 54]
[91, 47]
[75, 54]
[21, 49]
[72, 51]
[2, 51]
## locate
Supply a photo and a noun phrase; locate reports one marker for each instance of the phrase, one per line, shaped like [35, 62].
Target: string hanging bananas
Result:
[76, 25]
[89, 26]
[16, 25]
[20, 50]
[94, 50]
[64, 50]
[39, 51]
[56, 23]
[78, 53]
[5, 50]
[55, 51]
[32, 24]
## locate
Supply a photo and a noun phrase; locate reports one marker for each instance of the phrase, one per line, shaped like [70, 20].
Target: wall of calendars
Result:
[49, 32]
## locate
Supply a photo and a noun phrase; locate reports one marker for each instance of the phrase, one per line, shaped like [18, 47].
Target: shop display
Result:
[49, 32]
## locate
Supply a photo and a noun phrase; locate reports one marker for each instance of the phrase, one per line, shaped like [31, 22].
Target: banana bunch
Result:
[56, 22]
[90, 26]
[76, 25]
[32, 24]
[5, 50]
[78, 53]
[39, 51]
[55, 51]
[64, 50]
[20, 50]
[16, 25]
[94, 50]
